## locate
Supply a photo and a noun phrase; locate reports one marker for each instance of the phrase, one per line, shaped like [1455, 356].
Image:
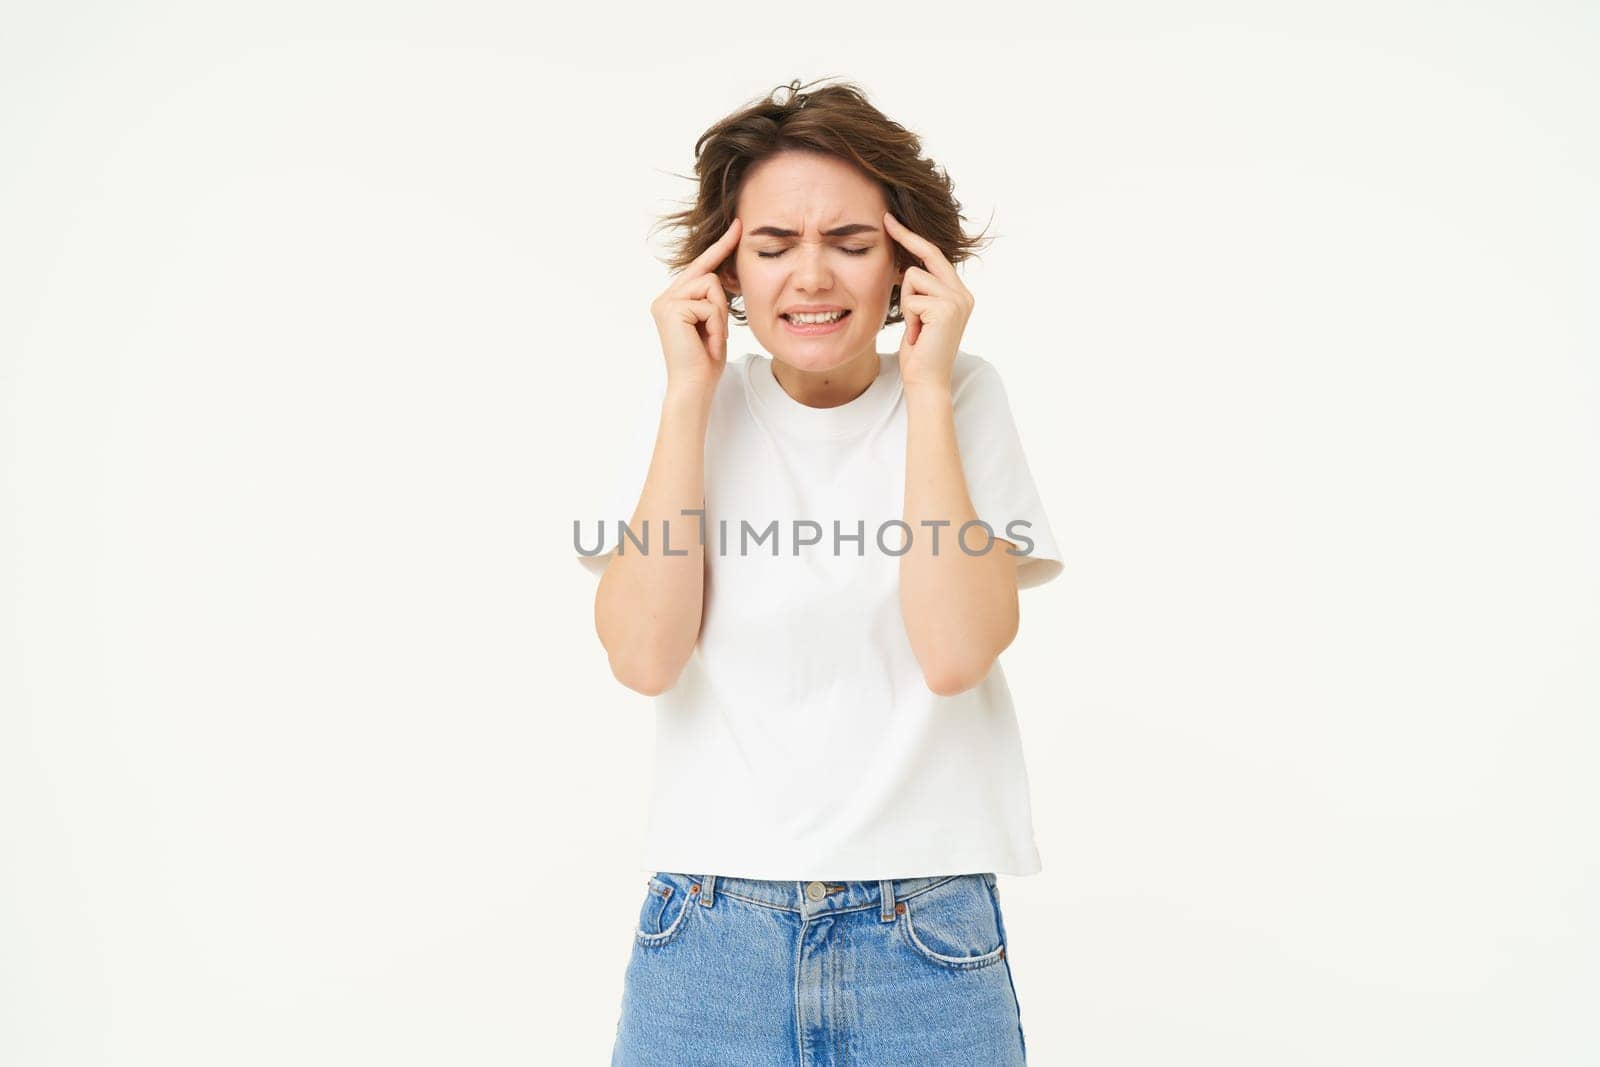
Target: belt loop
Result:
[708, 887]
[886, 891]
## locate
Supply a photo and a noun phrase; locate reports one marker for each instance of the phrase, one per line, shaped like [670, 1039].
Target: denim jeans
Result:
[739, 971]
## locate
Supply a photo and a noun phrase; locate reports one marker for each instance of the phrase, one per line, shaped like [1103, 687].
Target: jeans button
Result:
[816, 890]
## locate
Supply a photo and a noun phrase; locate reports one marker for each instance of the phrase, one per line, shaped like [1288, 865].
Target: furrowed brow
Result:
[838, 231]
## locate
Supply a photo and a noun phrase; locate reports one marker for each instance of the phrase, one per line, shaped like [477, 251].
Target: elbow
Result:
[648, 676]
[643, 660]
[652, 686]
[961, 661]
[950, 677]
[646, 683]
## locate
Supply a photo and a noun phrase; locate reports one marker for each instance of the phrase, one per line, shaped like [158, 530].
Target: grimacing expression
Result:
[813, 234]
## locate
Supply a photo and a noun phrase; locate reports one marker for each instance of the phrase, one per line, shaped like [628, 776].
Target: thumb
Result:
[717, 332]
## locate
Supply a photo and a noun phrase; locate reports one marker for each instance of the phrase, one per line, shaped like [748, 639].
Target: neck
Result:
[832, 387]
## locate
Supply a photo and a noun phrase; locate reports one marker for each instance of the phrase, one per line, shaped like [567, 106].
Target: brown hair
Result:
[834, 120]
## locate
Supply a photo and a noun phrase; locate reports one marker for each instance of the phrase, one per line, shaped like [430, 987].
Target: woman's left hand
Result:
[936, 306]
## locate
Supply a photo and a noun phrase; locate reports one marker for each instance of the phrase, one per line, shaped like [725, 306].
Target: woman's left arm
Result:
[960, 609]
[959, 606]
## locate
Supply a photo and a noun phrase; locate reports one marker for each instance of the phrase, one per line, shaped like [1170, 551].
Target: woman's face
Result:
[813, 235]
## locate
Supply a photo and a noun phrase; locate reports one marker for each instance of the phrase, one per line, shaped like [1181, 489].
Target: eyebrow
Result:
[838, 231]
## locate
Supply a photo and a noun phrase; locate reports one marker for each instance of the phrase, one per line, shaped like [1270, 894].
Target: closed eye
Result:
[781, 251]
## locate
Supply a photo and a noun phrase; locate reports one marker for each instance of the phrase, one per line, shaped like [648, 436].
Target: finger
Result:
[706, 263]
[922, 248]
[713, 323]
[716, 330]
[712, 257]
[709, 291]
[913, 323]
[717, 343]
[917, 280]
[714, 292]
[695, 312]
[922, 311]
[918, 305]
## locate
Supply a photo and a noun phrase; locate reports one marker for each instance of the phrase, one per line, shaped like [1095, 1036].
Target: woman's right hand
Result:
[692, 318]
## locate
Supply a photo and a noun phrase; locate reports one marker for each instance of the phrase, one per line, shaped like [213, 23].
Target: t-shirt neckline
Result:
[842, 420]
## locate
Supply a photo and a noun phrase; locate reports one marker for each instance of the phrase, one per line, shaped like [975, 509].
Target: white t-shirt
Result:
[801, 740]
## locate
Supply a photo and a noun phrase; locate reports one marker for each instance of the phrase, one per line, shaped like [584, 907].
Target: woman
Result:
[819, 567]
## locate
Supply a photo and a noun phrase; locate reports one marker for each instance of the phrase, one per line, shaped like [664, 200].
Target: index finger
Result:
[925, 249]
[708, 260]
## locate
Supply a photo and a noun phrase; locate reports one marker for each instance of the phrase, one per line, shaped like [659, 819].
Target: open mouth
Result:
[822, 326]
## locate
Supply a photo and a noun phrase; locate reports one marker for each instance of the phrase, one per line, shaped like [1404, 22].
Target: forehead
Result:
[795, 189]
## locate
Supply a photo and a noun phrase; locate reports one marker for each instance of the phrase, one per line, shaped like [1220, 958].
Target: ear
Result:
[730, 279]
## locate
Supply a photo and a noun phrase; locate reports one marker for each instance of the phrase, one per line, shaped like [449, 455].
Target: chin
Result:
[814, 358]
[821, 353]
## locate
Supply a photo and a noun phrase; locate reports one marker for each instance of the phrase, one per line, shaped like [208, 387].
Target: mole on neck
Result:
[829, 388]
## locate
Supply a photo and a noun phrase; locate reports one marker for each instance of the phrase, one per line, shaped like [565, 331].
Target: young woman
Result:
[819, 568]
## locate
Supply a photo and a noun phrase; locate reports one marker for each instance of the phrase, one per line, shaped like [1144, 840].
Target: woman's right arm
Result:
[647, 609]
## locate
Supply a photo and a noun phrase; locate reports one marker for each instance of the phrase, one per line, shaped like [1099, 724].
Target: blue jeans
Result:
[739, 971]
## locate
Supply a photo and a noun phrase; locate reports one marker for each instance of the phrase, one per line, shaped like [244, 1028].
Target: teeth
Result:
[817, 316]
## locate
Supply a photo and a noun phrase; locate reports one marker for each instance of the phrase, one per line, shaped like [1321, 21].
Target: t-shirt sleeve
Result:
[613, 499]
[998, 479]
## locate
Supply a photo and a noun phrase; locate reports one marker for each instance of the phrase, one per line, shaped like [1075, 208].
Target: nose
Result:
[811, 268]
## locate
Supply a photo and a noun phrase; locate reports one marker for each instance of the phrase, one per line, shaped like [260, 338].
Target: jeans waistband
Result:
[821, 896]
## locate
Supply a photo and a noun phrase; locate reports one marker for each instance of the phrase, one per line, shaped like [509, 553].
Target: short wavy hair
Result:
[834, 120]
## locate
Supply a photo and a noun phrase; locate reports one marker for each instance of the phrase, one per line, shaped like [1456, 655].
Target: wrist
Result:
[685, 395]
[928, 394]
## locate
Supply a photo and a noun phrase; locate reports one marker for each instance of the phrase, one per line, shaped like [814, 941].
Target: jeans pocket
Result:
[953, 924]
[666, 906]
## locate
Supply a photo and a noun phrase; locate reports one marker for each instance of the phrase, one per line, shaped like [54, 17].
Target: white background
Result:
[320, 321]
